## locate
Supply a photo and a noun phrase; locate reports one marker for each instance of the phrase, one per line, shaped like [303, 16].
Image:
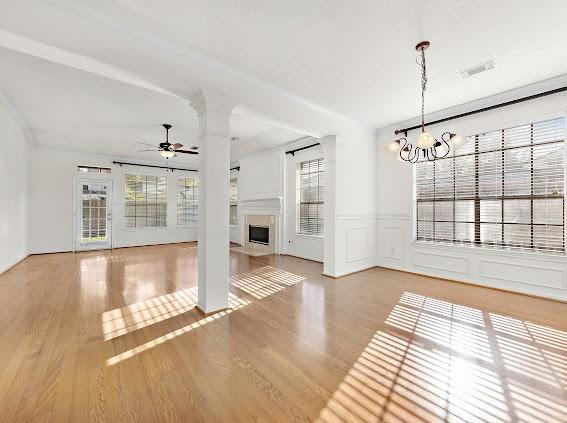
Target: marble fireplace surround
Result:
[263, 212]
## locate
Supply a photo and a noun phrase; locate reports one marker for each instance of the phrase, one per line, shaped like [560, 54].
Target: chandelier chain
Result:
[423, 88]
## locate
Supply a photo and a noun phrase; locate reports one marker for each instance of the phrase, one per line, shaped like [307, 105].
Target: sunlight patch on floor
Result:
[121, 321]
[447, 362]
[258, 283]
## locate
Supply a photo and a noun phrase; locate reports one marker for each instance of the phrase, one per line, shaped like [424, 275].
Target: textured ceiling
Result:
[310, 63]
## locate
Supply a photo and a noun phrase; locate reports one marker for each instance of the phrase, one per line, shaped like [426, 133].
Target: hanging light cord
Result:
[423, 88]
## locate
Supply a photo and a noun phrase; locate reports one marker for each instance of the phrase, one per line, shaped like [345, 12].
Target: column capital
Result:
[205, 100]
[328, 141]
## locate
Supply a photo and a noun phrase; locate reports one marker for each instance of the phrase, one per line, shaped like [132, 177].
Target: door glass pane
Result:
[93, 213]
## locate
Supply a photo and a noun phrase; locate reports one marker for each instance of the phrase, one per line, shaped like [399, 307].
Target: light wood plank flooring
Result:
[113, 336]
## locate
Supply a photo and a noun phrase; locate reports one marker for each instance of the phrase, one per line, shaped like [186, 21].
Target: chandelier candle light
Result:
[426, 145]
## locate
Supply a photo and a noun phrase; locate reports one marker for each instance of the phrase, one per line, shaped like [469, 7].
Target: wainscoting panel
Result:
[523, 273]
[357, 244]
[358, 234]
[442, 262]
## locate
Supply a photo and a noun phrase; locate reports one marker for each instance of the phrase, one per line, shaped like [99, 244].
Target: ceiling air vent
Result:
[483, 67]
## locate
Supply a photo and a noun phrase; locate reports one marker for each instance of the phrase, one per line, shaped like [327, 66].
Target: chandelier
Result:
[426, 146]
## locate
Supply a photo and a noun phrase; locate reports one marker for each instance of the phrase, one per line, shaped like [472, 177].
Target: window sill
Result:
[485, 250]
[305, 236]
[159, 228]
[187, 227]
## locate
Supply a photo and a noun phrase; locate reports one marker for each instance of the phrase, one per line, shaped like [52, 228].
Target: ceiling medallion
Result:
[426, 146]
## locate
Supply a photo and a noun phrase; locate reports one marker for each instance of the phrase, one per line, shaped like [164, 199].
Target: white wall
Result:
[52, 207]
[537, 274]
[305, 246]
[261, 190]
[14, 151]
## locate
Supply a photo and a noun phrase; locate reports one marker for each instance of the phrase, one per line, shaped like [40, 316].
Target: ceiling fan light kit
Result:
[167, 149]
[426, 146]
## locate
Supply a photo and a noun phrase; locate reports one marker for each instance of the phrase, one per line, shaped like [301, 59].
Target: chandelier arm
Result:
[415, 157]
[448, 149]
[434, 151]
[402, 148]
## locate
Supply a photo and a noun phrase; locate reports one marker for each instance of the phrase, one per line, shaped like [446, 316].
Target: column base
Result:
[210, 313]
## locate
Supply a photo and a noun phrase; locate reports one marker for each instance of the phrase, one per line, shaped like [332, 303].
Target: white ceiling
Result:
[73, 110]
[315, 65]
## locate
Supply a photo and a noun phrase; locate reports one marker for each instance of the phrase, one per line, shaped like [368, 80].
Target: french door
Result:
[94, 216]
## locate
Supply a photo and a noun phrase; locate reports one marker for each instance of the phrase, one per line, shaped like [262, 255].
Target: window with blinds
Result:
[504, 188]
[233, 201]
[146, 201]
[187, 201]
[310, 198]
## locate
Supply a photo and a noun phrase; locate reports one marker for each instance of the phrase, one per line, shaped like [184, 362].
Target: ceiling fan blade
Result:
[176, 146]
[145, 143]
[140, 151]
[186, 151]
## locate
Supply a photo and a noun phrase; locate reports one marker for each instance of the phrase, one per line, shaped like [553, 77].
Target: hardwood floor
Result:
[113, 336]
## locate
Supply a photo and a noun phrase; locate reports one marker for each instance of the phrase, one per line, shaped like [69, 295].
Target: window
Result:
[146, 201]
[93, 169]
[233, 201]
[503, 188]
[187, 201]
[310, 199]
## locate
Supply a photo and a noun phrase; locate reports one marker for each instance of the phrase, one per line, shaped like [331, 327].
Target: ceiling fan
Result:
[167, 149]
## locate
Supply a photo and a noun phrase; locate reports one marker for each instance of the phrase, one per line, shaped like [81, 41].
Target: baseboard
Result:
[340, 275]
[478, 285]
[302, 258]
[14, 264]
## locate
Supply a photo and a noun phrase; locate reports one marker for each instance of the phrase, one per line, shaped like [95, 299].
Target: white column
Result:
[213, 112]
[329, 144]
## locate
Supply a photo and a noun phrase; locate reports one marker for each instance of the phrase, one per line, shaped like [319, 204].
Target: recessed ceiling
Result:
[73, 110]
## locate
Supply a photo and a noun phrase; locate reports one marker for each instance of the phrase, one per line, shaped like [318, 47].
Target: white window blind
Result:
[310, 195]
[233, 201]
[504, 188]
[146, 201]
[187, 201]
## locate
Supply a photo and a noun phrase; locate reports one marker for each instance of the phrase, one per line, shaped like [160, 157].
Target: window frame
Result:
[157, 203]
[320, 186]
[195, 200]
[233, 199]
[502, 246]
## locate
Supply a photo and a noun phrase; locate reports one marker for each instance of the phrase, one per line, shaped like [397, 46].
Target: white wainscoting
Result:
[440, 261]
[357, 233]
[536, 274]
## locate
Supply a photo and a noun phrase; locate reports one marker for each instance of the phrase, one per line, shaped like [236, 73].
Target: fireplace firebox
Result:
[259, 234]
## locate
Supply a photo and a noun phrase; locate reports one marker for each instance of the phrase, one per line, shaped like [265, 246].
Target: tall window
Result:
[233, 202]
[310, 198]
[505, 188]
[146, 201]
[187, 201]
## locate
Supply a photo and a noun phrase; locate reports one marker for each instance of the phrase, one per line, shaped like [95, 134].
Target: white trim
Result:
[479, 249]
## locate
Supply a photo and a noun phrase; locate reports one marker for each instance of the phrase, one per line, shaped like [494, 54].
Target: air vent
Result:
[483, 67]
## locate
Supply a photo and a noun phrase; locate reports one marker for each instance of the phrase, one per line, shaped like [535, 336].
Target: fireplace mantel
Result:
[273, 207]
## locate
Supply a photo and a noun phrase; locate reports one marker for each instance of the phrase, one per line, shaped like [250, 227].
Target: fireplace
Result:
[259, 234]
